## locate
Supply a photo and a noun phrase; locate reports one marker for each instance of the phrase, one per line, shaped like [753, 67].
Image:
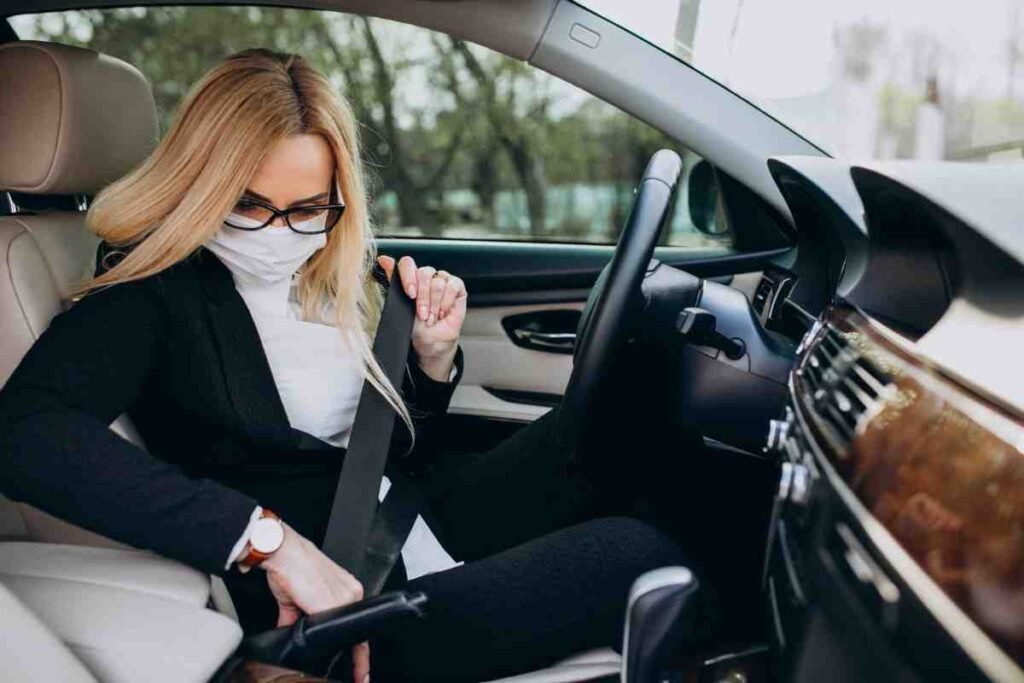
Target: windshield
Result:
[912, 79]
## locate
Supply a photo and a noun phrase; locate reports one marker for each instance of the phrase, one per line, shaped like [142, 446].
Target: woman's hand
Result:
[304, 580]
[440, 311]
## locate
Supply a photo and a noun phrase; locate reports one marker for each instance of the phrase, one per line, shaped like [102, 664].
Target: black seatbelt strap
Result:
[355, 498]
[390, 529]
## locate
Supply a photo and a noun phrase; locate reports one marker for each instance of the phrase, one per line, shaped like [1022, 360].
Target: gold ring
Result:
[442, 273]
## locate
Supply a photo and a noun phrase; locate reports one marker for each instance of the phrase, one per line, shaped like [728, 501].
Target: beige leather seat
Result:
[124, 614]
[71, 121]
[30, 651]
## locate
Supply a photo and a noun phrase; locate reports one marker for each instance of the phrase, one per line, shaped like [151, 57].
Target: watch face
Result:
[267, 535]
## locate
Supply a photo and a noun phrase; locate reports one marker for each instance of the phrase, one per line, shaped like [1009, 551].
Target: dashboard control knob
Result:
[794, 484]
[785, 482]
[778, 432]
[800, 485]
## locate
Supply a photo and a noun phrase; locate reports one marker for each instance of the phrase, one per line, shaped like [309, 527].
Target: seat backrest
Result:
[71, 121]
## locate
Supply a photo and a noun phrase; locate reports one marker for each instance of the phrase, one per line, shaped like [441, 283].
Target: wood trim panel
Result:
[942, 470]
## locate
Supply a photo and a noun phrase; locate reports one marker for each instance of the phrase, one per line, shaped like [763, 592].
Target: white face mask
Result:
[270, 254]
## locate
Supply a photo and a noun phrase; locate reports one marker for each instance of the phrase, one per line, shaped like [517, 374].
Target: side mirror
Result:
[703, 198]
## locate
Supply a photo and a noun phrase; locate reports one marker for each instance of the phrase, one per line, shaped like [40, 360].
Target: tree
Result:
[413, 183]
[442, 120]
[519, 126]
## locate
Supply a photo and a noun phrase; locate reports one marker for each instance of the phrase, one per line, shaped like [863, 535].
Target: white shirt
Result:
[319, 380]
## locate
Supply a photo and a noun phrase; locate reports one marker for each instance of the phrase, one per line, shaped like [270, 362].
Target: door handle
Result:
[551, 330]
[556, 341]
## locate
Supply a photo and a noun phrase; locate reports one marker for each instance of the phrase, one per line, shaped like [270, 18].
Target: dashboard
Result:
[896, 543]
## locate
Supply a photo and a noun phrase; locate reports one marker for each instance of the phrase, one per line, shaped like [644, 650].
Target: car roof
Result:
[513, 27]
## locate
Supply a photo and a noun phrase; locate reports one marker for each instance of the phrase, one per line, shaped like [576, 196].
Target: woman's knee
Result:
[634, 545]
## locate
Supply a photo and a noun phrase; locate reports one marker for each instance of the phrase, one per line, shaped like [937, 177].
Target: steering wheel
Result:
[606, 316]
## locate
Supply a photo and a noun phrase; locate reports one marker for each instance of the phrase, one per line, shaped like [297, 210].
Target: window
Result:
[915, 79]
[461, 142]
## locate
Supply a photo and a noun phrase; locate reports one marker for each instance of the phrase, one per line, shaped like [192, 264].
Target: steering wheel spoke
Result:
[604, 324]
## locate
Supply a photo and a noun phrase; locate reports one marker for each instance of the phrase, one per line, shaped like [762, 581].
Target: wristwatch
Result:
[265, 539]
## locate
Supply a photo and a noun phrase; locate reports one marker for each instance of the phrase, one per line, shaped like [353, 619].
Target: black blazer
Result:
[180, 354]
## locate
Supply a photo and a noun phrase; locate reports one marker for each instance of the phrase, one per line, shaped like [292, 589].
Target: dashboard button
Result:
[800, 485]
[778, 432]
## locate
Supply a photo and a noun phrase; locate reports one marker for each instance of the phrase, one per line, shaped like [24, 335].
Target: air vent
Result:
[841, 388]
[764, 290]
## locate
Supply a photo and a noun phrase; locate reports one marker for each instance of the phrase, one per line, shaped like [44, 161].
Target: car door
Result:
[524, 305]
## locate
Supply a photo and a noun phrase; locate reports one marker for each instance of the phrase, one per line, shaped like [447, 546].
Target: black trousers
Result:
[549, 558]
[547, 571]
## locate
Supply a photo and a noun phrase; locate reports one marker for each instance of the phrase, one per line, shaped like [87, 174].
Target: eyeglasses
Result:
[253, 214]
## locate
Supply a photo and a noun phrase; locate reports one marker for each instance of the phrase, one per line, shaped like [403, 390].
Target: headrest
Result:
[71, 120]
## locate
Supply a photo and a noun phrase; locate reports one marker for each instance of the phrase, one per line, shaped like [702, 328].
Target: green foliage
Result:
[460, 140]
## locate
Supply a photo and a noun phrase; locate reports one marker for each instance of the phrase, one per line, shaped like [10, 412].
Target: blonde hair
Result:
[177, 198]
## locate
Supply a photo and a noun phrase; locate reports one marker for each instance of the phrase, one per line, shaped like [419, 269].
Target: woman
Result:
[231, 317]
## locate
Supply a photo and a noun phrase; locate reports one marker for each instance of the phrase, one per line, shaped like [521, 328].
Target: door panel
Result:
[493, 361]
[472, 400]
[503, 381]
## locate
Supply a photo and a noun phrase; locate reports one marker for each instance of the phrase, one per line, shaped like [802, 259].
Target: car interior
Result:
[830, 400]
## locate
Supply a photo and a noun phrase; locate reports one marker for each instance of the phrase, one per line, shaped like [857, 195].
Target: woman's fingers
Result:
[287, 614]
[435, 296]
[388, 264]
[437, 287]
[361, 663]
[454, 288]
[407, 271]
[426, 273]
[347, 590]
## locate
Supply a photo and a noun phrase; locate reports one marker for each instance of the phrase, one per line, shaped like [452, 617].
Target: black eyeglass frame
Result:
[286, 213]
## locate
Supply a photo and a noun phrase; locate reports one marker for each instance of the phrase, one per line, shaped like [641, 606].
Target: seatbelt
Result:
[391, 527]
[354, 514]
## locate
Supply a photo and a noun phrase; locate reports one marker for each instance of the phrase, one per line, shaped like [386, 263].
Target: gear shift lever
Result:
[659, 617]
